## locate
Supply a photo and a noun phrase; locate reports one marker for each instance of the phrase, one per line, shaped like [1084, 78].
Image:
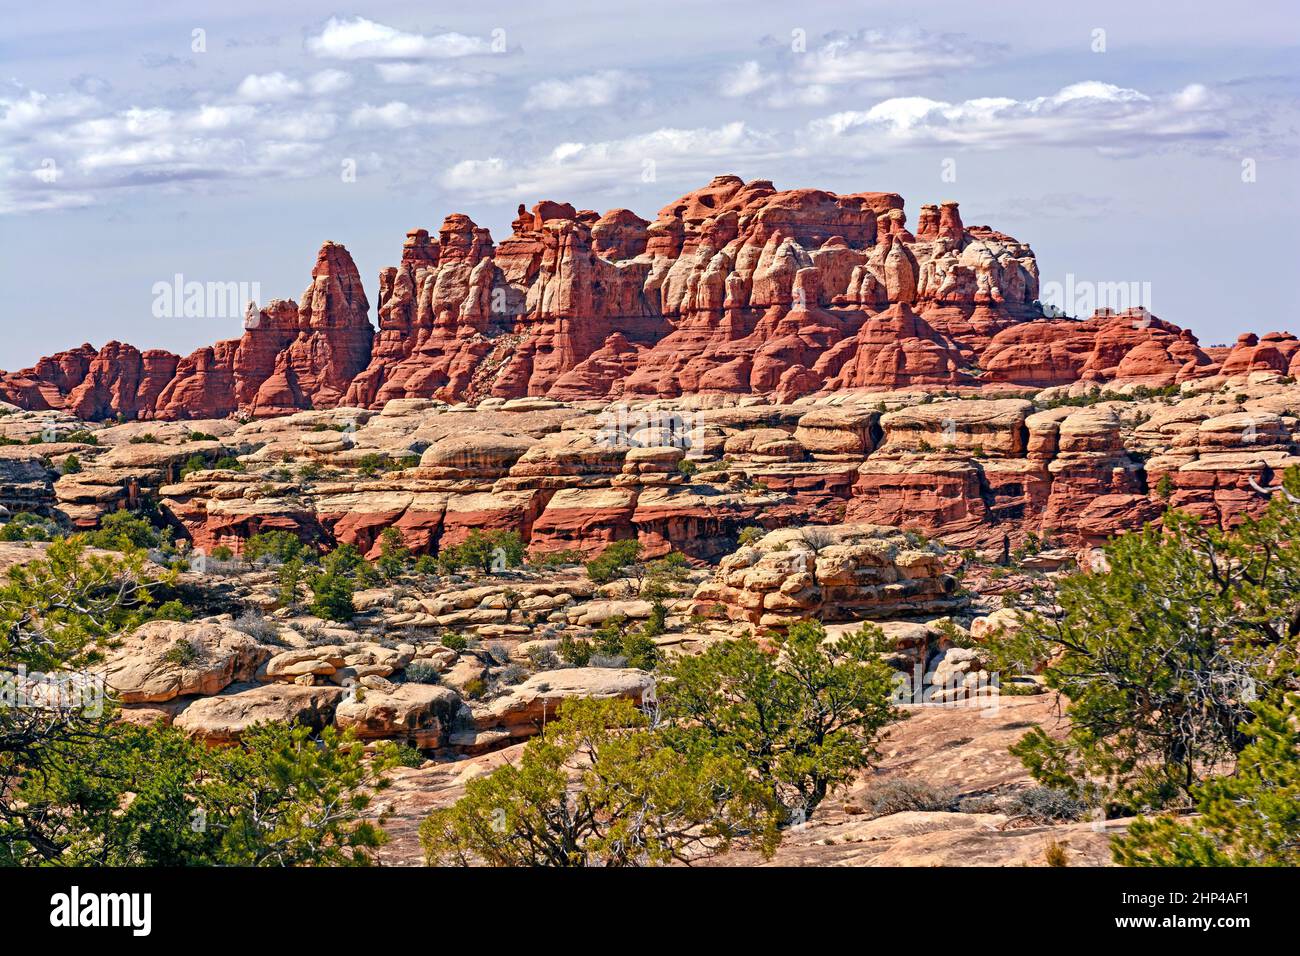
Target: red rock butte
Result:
[734, 288]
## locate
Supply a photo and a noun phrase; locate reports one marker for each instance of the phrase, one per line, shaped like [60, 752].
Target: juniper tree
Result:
[1161, 653]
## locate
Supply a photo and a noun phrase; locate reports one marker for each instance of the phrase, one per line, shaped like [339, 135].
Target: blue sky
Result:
[133, 148]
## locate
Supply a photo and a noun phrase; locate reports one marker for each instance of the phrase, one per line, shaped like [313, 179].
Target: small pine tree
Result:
[1249, 818]
[332, 595]
[394, 555]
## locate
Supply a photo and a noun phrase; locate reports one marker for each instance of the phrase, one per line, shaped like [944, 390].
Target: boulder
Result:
[163, 660]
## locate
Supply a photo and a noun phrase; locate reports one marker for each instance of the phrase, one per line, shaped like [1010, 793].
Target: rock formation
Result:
[735, 288]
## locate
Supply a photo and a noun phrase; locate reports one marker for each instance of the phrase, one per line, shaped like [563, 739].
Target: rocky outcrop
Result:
[524, 710]
[847, 572]
[290, 357]
[224, 718]
[734, 288]
[1074, 464]
[164, 660]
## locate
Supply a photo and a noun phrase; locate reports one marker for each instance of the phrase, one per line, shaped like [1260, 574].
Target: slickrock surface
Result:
[734, 289]
[957, 748]
[964, 750]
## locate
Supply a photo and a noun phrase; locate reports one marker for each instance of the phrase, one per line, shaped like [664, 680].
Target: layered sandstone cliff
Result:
[735, 288]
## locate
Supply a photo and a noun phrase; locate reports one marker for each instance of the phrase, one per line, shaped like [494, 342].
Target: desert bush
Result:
[513, 674]
[615, 559]
[901, 794]
[1250, 818]
[422, 672]
[1047, 804]
[258, 626]
[1161, 654]
[123, 530]
[806, 719]
[480, 549]
[274, 545]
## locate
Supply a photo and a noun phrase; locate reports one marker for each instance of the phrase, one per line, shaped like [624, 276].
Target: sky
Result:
[1148, 146]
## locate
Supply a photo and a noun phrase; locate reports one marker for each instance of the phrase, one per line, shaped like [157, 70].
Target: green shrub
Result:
[394, 555]
[576, 652]
[332, 586]
[183, 653]
[480, 550]
[289, 581]
[1250, 818]
[28, 526]
[555, 559]
[1161, 653]
[615, 559]
[172, 610]
[276, 544]
[192, 464]
[404, 755]
[120, 530]
[370, 463]
[600, 787]
[806, 719]
[332, 597]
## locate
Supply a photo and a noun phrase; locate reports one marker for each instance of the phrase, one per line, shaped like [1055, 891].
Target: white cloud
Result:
[868, 59]
[329, 81]
[422, 74]
[302, 126]
[398, 115]
[213, 118]
[590, 90]
[744, 79]
[82, 158]
[35, 190]
[786, 96]
[584, 168]
[362, 39]
[267, 87]
[276, 87]
[26, 109]
[1087, 114]
[876, 55]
